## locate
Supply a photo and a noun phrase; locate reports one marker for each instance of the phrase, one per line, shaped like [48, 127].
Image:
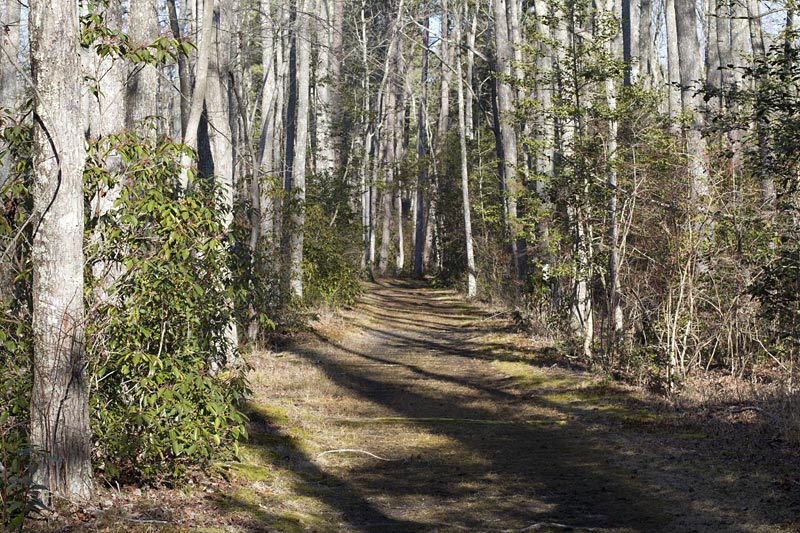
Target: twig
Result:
[349, 450]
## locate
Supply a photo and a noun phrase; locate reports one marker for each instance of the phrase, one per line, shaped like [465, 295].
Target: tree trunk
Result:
[143, 29]
[420, 219]
[335, 72]
[505, 104]
[615, 307]
[199, 92]
[59, 401]
[691, 100]
[713, 71]
[106, 116]
[756, 34]
[723, 26]
[648, 66]
[297, 176]
[580, 306]
[220, 133]
[184, 76]
[399, 152]
[387, 166]
[324, 94]
[472, 16]
[462, 136]
[545, 156]
[673, 62]
[8, 71]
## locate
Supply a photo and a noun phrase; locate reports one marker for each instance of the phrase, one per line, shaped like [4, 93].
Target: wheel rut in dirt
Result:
[419, 412]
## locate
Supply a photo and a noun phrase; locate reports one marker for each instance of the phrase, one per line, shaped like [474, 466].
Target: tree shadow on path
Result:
[495, 459]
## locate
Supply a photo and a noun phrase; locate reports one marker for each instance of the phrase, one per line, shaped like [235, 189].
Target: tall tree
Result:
[648, 65]
[504, 55]
[198, 92]
[420, 215]
[472, 286]
[297, 145]
[615, 287]
[59, 403]
[184, 77]
[220, 125]
[143, 29]
[673, 61]
[691, 100]
[9, 47]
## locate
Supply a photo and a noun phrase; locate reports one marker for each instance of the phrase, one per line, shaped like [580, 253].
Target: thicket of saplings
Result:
[164, 279]
[705, 286]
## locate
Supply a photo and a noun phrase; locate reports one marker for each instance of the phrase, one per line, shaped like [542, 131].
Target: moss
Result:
[250, 472]
[691, 436]
[529, 377]
[269, 414]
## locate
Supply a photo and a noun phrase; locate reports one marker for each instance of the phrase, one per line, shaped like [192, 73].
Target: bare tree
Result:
[59, 403]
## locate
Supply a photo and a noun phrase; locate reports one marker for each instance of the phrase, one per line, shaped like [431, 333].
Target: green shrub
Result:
[329, 276]
[157, 332]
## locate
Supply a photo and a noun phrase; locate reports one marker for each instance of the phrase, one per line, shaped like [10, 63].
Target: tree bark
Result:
[297, 177]
[8, 71]
[691, 100]
[59, 401]
[143, 29]
[648, 66]
[472, 286]
[505, 104]
[420, 220]
[673, 62]
[323, 90]
[468, 109]
[615, 307]
[199, 92]
[184, 76]
[713, 65]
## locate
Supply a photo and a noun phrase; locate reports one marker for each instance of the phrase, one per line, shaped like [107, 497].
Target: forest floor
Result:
[416, 411]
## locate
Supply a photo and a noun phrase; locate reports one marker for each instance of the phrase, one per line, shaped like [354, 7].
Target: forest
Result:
[187, 183]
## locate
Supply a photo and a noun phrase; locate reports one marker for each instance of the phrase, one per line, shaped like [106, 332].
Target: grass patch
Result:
[268, 414]
[530, 377]
[435, 420]
[249, 471]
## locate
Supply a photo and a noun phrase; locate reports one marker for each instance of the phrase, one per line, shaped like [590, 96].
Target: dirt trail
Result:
[417, 412]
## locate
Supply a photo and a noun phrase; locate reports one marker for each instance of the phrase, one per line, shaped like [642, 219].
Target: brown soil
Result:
[418, 412]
